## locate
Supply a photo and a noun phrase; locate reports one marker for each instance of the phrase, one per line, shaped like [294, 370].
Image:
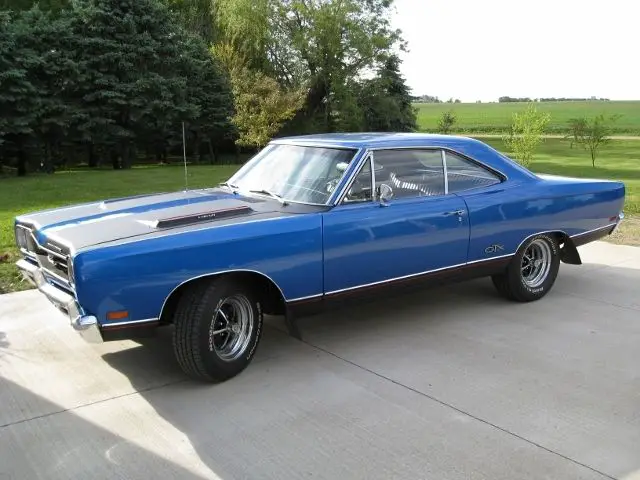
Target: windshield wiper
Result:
[230, 185]
[271, 194]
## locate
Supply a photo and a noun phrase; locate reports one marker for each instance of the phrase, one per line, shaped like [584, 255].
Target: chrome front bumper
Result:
[86, 325]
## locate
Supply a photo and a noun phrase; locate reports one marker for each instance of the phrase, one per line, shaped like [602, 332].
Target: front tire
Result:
[532, 271]
[217, 328]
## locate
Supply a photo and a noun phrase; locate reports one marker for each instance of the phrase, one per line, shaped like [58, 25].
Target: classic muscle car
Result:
[307, 223]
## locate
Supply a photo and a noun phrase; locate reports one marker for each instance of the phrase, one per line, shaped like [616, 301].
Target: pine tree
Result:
[386, 101]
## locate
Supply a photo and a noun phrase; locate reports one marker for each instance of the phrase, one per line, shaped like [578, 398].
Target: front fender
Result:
[138, 276]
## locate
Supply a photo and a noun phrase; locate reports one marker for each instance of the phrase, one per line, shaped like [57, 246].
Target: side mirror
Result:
[384, 193]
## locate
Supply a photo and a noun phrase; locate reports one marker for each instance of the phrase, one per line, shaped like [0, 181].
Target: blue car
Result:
[308, 223]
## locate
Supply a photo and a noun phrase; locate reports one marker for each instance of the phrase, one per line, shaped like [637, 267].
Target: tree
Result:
[385, 101]
[592, 134]
[198, 17]
[577, 127]
[526, 133]
[44, 5]
[19, 97]
[261, 104]
[209, 88]
[446, 122]
[318, 44]
[140, 76]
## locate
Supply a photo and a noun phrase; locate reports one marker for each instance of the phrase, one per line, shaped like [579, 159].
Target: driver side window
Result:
[360, 189]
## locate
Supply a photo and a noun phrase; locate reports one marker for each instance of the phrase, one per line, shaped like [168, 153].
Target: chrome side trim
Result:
[412, 275]
[594, 230]
[301, 299]
[497, 257]
[129, 322]
[213, 274]
[538, 233]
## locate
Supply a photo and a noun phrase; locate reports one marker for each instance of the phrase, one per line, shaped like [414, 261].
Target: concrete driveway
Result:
[453, 383]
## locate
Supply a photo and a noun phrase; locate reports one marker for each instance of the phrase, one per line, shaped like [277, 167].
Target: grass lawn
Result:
[496, 117]
[619, 160]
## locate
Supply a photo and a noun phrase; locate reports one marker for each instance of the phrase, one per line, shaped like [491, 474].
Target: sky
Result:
[483, 49]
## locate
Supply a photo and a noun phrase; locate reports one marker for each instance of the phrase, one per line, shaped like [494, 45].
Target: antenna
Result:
[184, 155]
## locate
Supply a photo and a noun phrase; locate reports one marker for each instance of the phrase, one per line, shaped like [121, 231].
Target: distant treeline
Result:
[551, 99]
[507, 99]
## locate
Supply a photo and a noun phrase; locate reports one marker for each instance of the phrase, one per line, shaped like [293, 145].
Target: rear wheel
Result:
[218, 325]
[532, 271]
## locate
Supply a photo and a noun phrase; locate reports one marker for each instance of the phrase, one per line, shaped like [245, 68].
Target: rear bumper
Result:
[86, 325]
[618, 222]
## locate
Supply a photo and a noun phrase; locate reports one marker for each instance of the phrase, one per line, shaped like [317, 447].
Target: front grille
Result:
[52, 257]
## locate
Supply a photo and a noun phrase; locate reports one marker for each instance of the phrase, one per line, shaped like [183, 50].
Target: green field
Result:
[619, 160]
[496, 117]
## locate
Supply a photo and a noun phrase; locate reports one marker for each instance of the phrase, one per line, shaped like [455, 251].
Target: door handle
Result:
[459, 213]
[455, 212]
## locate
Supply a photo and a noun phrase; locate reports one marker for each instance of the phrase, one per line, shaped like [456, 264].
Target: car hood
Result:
[94, 223]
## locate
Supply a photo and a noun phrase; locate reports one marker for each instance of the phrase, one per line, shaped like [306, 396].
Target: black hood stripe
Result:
[203, 217]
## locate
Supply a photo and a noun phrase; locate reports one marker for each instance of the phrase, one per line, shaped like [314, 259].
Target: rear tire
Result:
[218, 325]
[532, 271]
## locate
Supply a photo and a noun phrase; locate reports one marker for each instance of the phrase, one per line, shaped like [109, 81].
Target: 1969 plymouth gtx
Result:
[307, 223]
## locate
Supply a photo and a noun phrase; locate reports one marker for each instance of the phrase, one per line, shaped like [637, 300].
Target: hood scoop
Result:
[202, 217]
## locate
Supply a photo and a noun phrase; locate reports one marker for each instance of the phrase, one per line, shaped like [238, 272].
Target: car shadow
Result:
[65, 445]
[240, 411]
[279, 390]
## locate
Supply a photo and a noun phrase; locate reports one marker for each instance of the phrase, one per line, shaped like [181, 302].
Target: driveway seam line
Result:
[96, 402]
[453, 407]
[603, 302]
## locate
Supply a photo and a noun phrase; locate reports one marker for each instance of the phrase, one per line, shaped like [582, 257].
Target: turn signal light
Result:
[117, 315]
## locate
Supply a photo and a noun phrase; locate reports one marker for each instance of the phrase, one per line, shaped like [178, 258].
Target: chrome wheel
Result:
[231, 327]
[536, 263]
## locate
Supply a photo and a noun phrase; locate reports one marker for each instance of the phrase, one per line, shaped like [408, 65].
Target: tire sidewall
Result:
[533, 293]
[212, 362]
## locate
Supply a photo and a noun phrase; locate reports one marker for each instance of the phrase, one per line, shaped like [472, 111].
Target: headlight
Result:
[21, 238]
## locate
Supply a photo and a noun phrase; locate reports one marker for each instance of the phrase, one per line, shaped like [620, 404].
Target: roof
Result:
[468, 146]
[378, 140]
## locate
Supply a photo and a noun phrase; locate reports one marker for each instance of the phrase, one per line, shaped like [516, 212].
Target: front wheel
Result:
[218, 325]
[532, 271]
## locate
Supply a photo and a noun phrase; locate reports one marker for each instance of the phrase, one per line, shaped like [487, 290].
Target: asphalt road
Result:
[454, 383]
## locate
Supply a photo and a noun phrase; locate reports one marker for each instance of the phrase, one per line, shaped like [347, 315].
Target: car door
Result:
[419, 229]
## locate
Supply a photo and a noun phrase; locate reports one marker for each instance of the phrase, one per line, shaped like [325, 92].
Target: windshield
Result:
[294, 173]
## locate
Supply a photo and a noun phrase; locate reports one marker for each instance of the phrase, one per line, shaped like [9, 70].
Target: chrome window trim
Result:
[343, 191]
[444, 171]
[369, 152]
[474, 162]
[446, 149]
[302, 143]
[372, 169]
